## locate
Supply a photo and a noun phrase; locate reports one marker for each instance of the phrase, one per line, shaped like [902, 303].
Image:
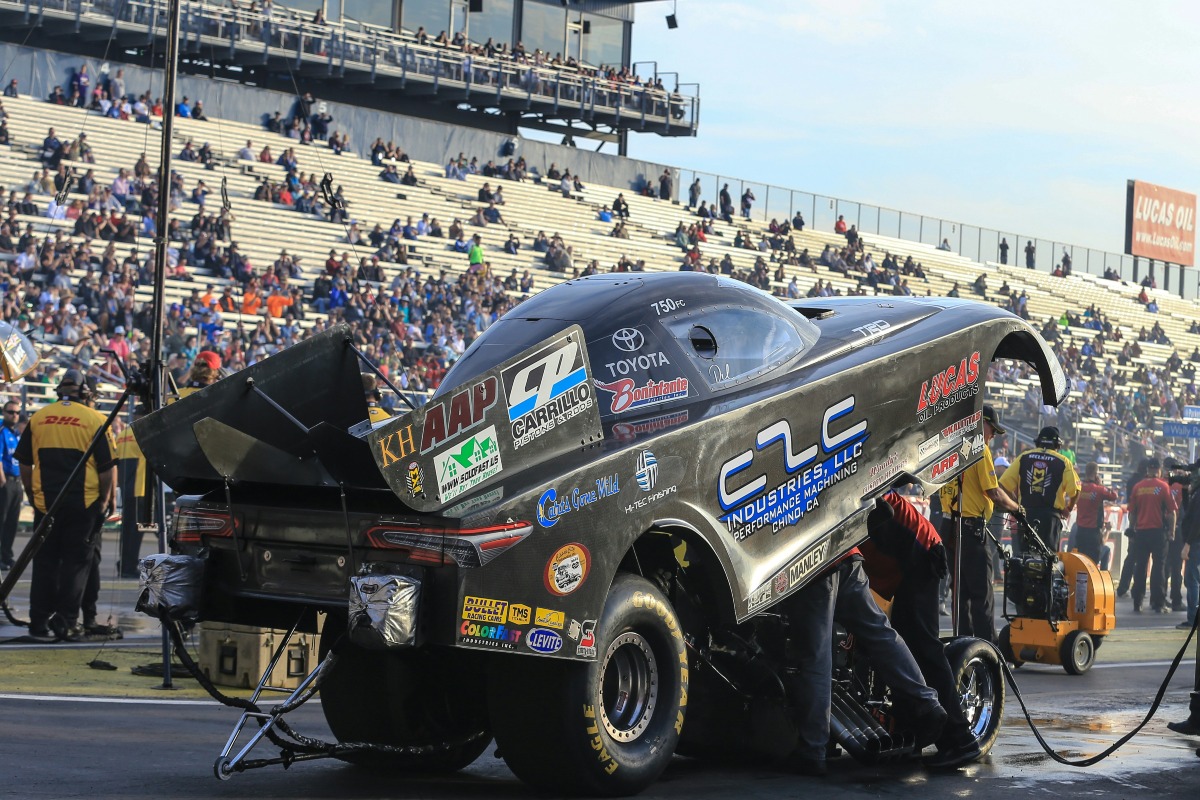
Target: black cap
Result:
[70, 384]
[991, 415]
[1048, 436]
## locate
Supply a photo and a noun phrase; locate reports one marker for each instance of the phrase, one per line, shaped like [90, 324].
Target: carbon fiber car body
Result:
[599, 411]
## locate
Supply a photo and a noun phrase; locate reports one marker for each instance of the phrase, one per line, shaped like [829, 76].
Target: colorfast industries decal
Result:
[468, 464]
[567, 569]
[629, 396]
[546, 389]
[954, 383]
[551, 507]
[751, 505]
[499, 636]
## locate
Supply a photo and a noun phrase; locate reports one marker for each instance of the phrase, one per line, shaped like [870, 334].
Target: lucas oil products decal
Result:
[954, 383]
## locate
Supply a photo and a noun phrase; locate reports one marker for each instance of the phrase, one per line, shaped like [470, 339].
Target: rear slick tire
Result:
[979, 676]
[606, 727]
[413, 698]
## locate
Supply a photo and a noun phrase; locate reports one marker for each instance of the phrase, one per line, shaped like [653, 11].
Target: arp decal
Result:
[414, 479]
[543, 641]
[628, 396]
[947, 464]
[468, 464]
[587, 638]
[548, 618]
[465, 410]
[498, 636]
[954, 383]
[759, 598]
[567, 569]
[519, 614]
[545, 390]
[551, 508]
[484, 609]
[751, 505]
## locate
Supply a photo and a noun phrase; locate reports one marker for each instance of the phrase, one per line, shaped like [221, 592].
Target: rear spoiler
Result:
[283, 421]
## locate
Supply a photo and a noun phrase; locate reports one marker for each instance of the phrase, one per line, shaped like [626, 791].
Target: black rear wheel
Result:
[428, 699]
[1078, 652]
[607, 727]
[980, 678]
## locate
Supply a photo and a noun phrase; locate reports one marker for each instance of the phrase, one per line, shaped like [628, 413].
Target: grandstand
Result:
[1138, 391]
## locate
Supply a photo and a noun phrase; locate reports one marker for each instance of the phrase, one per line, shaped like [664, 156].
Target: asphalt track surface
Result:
[70, 731]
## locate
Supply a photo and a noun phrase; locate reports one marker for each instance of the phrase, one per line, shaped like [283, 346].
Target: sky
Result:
[1019, 116]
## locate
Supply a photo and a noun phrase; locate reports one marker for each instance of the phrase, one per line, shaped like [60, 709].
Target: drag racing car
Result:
[579, 544]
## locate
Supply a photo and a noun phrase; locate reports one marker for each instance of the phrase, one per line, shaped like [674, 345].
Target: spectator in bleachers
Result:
[57, 97]
[726, 204]
[694, 193]
[1030, 255]
[80, 85]
[409, 178]
[11, 89]
[748, 199]
[945, 245]
[666, 185]
[621, 206]
[798, 221]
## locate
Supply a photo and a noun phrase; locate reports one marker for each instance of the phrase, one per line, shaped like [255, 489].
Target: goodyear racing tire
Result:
[607, 727]
[429, 697]
[979, 674]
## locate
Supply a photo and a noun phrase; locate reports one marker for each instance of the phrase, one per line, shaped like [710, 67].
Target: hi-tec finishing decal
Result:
[472, 462]
[628, 396]
[646, 475]
[751, 505]
[546, 389]
[954, 383]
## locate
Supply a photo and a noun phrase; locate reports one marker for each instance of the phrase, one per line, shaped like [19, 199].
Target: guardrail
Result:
[384, 53]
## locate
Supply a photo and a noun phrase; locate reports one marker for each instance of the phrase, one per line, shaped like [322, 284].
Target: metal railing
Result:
[385, 53]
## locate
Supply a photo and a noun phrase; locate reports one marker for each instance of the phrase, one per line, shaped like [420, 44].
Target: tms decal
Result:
[469, 464]
[519, 614]
[551, 508]
[567, 569]
[751, 505]
[956, 382]
[545, 390]
[540, 640]
[465, 410]
[628, 396]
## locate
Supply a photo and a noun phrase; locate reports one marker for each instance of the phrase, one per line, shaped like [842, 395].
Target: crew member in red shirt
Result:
[1089, 513]
[1153, 511]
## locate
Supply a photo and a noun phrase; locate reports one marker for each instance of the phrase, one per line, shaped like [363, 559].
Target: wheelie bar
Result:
[224, 766]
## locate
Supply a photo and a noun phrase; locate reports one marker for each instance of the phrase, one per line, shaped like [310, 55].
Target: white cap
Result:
[1001, 461]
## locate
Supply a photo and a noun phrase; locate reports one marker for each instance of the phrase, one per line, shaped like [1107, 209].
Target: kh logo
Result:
[397, 445]
[628, 339]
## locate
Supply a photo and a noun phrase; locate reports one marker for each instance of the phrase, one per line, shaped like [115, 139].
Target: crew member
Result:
[1190, 530]
[841, 594]
[50, 447]
[206, 370]
[131, 479]
[975, 605]
[904, 560]
[1175, 558]
[1044, 483]
[89, 604]
[1089, 513]
[10, 483]
[1152, 510]
[1126, 579]
[373, 395]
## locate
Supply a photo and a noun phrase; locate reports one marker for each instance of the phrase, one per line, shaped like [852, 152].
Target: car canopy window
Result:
[732, 345]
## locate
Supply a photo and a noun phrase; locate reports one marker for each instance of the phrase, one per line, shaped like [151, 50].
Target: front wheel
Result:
[1078, 652]
[607, 727]
[980, 679]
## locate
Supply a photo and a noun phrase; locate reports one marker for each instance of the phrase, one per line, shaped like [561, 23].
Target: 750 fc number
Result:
[666, 306]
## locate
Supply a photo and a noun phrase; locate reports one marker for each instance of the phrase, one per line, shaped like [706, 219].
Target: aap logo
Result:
[628, 339]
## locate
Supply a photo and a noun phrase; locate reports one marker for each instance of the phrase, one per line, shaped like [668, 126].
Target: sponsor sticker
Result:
[567, 569]
[501, 637]
[806, 563]
[628, 396]
[414, 479]
[883, 472]
[545, 390]
[636, 363]
[397, 445]
[628, 431]
[629, 340]
[759, 598]
[468, 464]
[647, 471]
[574, 630]
[928, 447]
[551, 507]
[873, 330]
[667, 305]
[484, 609]
[543, 641]
[548, 618]
[587, 639]
[963, 426]
[519, 614]
[781, 583]
[750, 504]
[954, 383]
[464, 411]
[946, 465]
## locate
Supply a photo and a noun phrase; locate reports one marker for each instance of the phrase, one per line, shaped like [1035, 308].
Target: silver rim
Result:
[628, 687]
[1082, 652]
[977, 690]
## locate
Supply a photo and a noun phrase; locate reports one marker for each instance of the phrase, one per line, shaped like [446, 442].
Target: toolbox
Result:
[237, 655]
